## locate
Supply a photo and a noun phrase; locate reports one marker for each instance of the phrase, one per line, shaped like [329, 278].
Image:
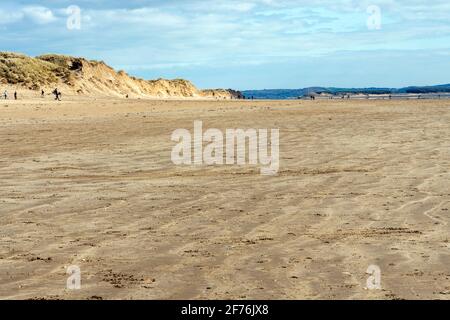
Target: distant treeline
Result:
[298, 93]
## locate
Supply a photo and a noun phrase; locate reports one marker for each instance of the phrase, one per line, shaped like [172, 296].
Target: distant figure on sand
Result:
[42, 93]
[57, 94]
[15, 95]
[5, 94]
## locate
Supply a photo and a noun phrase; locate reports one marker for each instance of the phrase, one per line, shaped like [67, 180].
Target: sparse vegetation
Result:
[90, 77]
[30, 72]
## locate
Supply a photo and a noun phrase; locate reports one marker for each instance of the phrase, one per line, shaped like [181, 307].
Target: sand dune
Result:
[90, 183]
[79, 76]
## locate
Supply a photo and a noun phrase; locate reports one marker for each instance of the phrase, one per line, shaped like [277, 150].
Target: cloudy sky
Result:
[246, 44]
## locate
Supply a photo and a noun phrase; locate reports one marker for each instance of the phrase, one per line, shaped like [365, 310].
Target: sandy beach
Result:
[90, 182]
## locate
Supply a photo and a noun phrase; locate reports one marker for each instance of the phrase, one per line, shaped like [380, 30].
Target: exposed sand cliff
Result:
[87, 77]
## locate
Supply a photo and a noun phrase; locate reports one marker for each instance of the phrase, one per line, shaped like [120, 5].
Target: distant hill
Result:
[87, 77]
[443, 88]
[277, 94]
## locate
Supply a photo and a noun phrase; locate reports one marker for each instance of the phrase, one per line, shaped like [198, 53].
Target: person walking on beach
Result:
[15, 95]
[5, 94]
[57, 94]
[42, 93]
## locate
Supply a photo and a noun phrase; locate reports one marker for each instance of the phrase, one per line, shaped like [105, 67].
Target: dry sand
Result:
[91, 183]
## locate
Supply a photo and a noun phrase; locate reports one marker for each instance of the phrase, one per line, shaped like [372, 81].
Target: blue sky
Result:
[247, 44]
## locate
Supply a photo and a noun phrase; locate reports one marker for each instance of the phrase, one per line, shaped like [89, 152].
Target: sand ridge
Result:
[83, 77]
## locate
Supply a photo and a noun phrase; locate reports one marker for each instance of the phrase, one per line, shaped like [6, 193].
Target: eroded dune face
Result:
[82, 76]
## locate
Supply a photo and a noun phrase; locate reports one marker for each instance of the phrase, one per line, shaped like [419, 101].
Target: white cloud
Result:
[139, 17]
[39, 15]
[8, 16]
